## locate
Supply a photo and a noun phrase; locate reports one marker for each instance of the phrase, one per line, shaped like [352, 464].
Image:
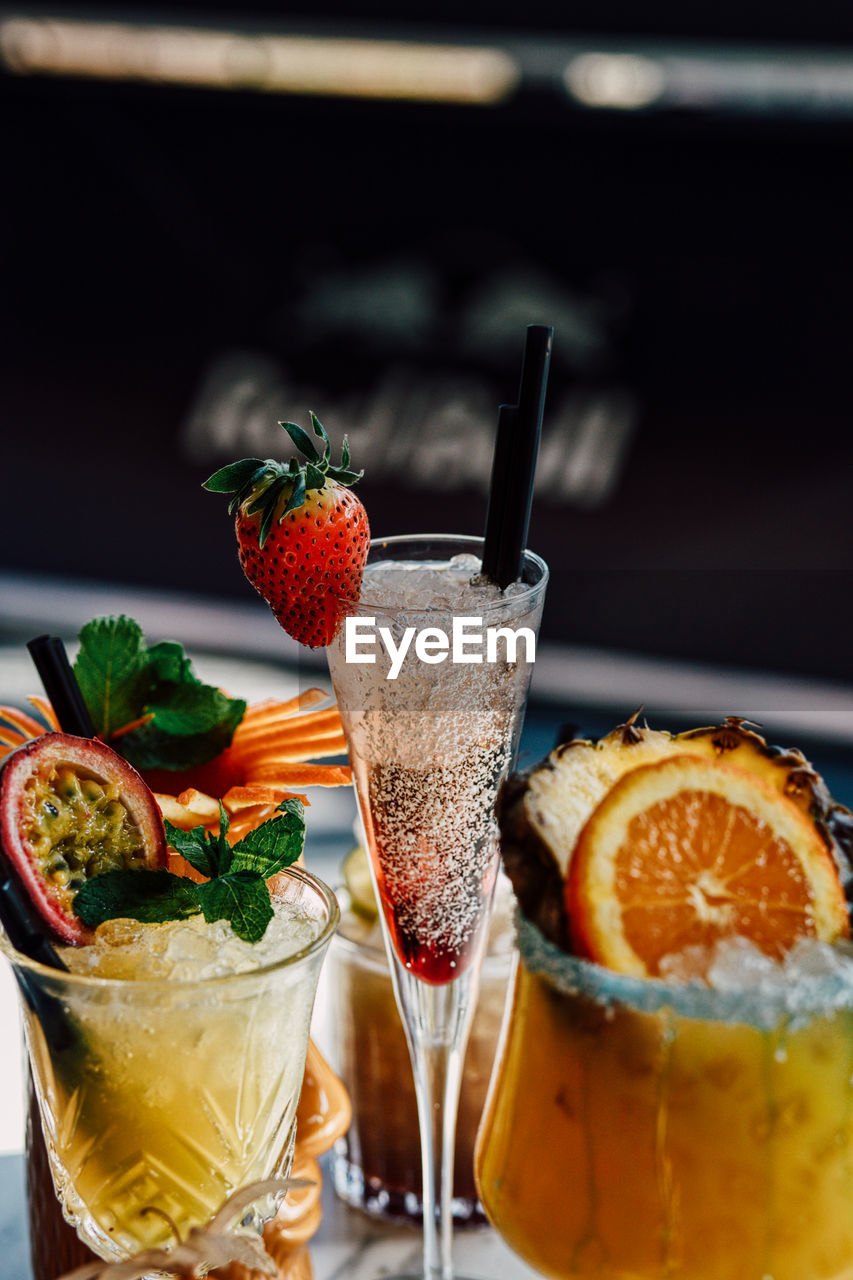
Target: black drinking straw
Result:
[60, 685]
[25, 930]
[22, 923]
[514, 463]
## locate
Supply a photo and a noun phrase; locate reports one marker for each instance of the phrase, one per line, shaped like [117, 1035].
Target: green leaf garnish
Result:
[274, 845]
[200, 850]
[297, 496]
[261, 484]
[226, 479]
[302, 440]
[236, 890]
[169, 664]
[211, 855]
[186, 722]
[149, 896]
[111, 670]
[240, 897]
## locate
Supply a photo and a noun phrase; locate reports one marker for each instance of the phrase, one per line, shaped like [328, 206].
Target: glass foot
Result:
[380, 1199]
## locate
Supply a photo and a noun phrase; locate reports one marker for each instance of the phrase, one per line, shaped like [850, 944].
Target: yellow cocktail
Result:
[170, 1092]
[643, 1130]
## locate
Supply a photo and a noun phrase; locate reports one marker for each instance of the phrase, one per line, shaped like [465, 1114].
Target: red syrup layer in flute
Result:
[434, 848]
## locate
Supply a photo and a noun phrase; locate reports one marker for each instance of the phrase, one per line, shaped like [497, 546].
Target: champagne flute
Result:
[431, 736]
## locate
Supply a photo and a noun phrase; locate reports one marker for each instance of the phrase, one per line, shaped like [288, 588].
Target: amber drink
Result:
[171, 1090]
[376, 1165]
[651, 1130]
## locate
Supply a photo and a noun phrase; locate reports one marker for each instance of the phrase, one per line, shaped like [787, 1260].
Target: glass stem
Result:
[437, 1020]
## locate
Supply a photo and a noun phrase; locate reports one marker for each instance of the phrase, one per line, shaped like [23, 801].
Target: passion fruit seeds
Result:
[71, 808]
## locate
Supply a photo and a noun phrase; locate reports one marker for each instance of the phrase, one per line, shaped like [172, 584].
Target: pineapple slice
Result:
[543, 811]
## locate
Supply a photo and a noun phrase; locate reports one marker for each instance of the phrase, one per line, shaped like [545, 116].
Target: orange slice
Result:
[687, 851]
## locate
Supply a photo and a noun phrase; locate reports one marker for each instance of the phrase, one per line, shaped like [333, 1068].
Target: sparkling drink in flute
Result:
[431, 736]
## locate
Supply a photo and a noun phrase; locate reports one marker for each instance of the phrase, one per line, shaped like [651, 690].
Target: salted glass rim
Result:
[463, 542]
[291, 960]
[793, 1004]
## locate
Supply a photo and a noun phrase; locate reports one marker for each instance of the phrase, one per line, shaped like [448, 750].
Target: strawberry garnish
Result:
[302, 534]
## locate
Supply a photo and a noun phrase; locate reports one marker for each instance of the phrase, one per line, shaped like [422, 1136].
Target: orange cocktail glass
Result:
[643, 1130]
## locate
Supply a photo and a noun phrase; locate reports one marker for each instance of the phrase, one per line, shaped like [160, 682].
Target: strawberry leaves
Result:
[236, 888]
[233, 477]
[305, 444]
[178, 722]
[259, 485]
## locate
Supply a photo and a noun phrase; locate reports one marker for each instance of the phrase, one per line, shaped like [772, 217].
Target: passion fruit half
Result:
[72, 808]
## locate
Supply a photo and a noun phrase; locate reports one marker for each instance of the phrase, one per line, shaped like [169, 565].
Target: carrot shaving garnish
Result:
[248, 820]
[307, 775]
[293, 726]
[274, 710]
[303, 733]
[282, 760]
[176, 813]
[131, 725]
[302, 743]
[298, 750]
[20, 727]
[257, 793]
[28, 726]
[44, 709]
[326, 715]
[278, 752]
[180, 867]
[271, 758]
[281, 742]
[335, 734]
[199, 802]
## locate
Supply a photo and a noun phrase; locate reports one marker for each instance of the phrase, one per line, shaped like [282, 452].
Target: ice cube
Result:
[690, 965]
[445, 585]
[739, 965]
[119, 933]
[810, 958]
[188, 952]
[464, 566]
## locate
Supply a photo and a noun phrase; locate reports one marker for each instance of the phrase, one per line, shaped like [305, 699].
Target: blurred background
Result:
[220, 215]
[217, 216]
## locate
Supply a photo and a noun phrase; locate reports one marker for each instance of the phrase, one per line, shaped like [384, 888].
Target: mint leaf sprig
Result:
[236, 889]
[177, 722]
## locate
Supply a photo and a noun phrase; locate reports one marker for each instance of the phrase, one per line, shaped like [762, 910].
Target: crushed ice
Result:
[738, 982]
[188, 950]
[434, 585]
